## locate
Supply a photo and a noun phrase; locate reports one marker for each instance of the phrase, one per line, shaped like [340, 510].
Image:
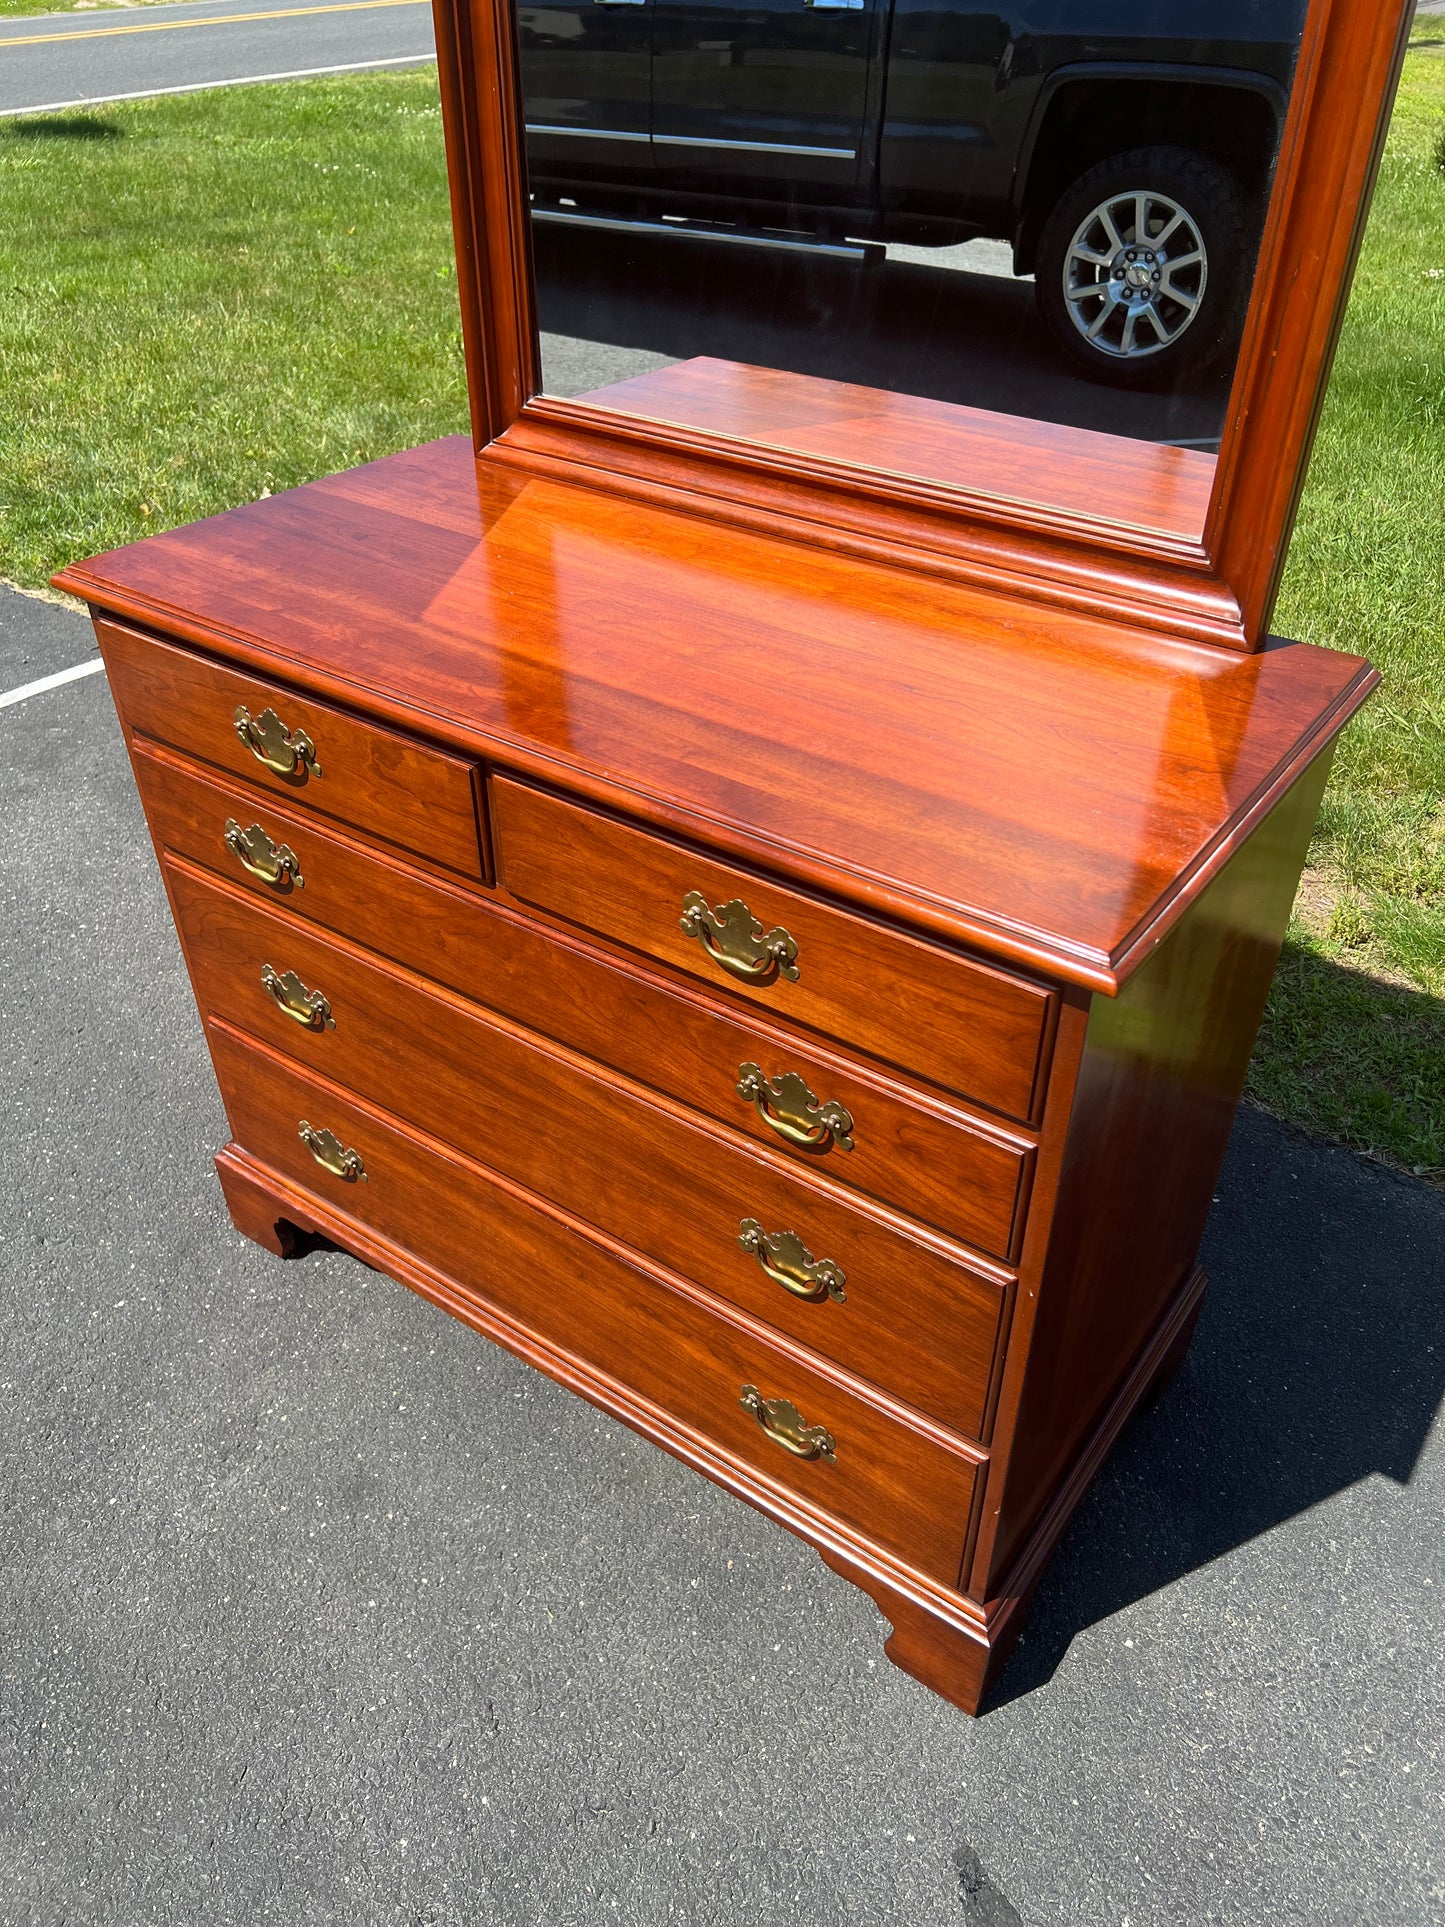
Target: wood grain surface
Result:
[1158, 1083]
[928, 1158]
[894, 1482]
[915, 1320]
[1052, 791]
[1148, 485]
[399, 790]
[939, 1016]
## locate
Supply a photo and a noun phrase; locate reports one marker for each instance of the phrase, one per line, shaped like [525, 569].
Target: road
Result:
[318, 1608]
[51, 62]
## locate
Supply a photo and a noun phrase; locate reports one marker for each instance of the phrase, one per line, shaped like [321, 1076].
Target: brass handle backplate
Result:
[332, 1155]
[286, 752]
[272, 862]
[788, 1107]
[306, 1007]
[784, 1425]
[789, 1263]
[732, 936]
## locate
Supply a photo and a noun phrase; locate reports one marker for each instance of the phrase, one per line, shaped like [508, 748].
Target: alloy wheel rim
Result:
[1135, 274]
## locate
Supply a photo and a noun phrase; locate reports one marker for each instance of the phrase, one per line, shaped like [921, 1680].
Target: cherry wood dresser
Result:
[798, 1004]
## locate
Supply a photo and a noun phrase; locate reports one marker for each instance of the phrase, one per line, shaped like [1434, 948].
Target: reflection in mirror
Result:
[908, 234]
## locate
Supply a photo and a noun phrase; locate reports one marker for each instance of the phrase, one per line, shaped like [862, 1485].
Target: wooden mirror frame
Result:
[1219, 589]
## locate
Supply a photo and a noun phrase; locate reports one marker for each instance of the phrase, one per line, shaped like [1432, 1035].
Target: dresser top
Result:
[1050, 789]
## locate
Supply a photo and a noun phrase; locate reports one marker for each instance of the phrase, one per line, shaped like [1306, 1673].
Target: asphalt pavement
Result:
[318, 1608]
[54, 61]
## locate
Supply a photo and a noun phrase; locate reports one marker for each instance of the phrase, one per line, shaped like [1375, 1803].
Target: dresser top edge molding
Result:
[1049, 790]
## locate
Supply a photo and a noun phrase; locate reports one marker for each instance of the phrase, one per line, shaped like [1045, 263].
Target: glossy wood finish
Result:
[1037, 852]
[1027, 858]
[899, 1485]
[1007, 531]
[1159, 1079]
[916, 1322]
[405, 792]
[930, 1160]
[1051, 791]
[1151, 486]
[913, 1006]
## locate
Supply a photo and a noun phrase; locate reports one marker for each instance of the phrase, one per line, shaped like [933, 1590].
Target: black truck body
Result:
[928, 121]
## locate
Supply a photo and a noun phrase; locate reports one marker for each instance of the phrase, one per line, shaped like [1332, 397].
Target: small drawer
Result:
[384, 784]
[925, 1157]
[885, 1304]
[898, 1485]
[913, 1005]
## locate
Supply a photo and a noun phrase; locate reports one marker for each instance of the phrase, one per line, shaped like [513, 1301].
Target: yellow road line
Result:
[211, 20]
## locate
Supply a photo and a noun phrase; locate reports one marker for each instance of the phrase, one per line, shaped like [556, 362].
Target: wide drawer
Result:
[877, 1300]
[385, 784]
[925, 1010]
[897, 1485]
[914, 1152]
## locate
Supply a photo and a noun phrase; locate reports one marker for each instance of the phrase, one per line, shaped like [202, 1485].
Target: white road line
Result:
[51, 682]
[200, 86]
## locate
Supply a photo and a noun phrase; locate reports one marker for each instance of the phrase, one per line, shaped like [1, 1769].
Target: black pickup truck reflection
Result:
[1123, 147]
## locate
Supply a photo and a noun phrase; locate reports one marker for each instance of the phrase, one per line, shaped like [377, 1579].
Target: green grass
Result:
[208, 296]
[212, 295]
[1354, 1043]
[17, 9]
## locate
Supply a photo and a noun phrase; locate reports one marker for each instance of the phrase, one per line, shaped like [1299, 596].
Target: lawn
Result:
[1354, 1043]
[211, 295]
[19, 9]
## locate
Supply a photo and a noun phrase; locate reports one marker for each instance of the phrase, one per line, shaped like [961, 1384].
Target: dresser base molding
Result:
[267, 1210]
[947, 1642]
[937, 1639]
[275, 1213]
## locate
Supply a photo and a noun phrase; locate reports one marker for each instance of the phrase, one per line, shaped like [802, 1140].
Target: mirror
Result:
[1008, 251]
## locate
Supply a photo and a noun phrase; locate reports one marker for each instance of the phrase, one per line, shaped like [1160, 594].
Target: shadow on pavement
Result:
[904, 326]
[1319, 1362]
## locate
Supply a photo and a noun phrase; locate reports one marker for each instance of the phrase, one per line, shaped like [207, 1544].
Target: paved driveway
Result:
[318, 1608]
[60, 60]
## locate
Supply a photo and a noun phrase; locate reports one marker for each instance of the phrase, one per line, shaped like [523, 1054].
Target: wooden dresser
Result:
[796, 1004]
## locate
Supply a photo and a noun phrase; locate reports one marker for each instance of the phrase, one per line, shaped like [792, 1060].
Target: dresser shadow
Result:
[1319, 1361]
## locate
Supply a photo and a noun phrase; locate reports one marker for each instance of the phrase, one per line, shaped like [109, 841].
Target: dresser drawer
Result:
[910, 1004]
[879, 1301]
[896, 1484]
[917, 1153]
[384, 784]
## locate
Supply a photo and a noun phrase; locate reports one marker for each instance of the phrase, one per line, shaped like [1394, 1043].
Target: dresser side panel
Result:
[1158, 1084]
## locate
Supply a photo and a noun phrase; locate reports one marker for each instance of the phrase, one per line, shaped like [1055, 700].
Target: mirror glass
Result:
[1007, 249]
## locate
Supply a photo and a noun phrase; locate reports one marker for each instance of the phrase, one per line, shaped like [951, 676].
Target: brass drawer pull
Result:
[783, 1423]
[732, 936]
[789, 1263]
[287, 752]
[332, 1155]
[306, 1007]
[272, 862]
[787, 1105]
